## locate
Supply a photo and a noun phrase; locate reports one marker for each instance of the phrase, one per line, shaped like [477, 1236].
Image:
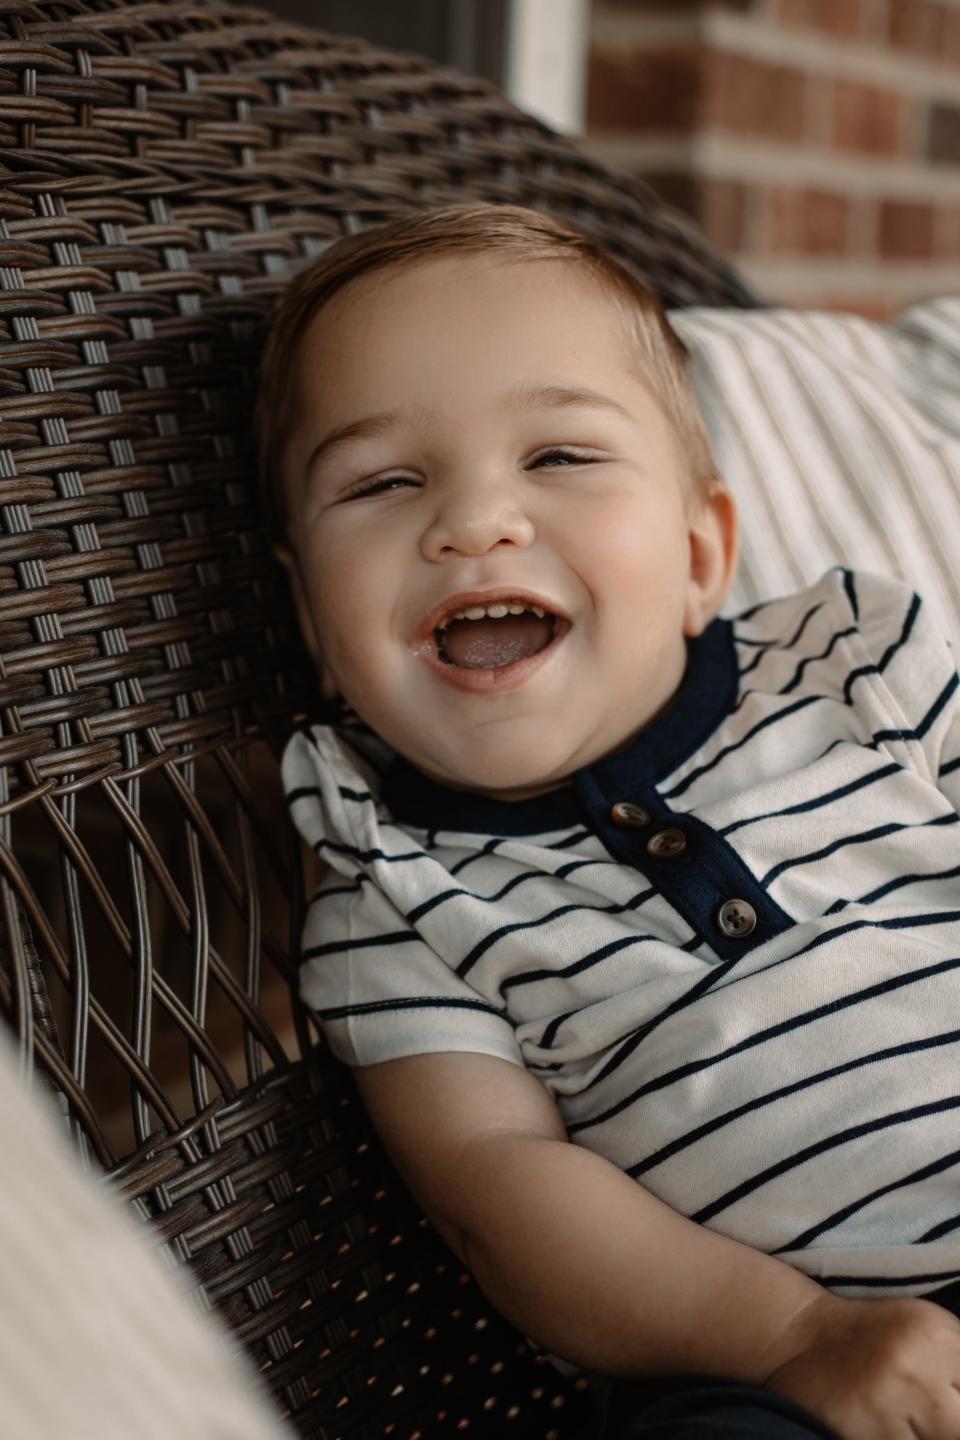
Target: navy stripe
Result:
[482, 946]
[760, 605]
[304, 792]
[888, 654]
[760, 1102]
[891, 885]
[359, 942]
[363, 856]
[865, 780]
[752, 1041]
[936, 1232]
[550, 1034]
[949, 768]
[488, 848]
[409, 1002]
[936, 1167]
[937, 706]
[690, 947]
[849, 586]
[912, 612]
[821, 1147]
[863, 838]
[419, 911]
[811, 659]
[347, 794]
[738, 744]
[768, 645]
[351, 889]
[878, 1282]
[614, 947]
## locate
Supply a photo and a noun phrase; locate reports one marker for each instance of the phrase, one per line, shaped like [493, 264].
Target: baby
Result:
[607, 869]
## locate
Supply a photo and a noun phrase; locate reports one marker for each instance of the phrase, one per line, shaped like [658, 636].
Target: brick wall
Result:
[817, 142]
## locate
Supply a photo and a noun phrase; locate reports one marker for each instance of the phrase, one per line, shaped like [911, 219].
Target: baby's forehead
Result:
[580, 280]
[357, 314]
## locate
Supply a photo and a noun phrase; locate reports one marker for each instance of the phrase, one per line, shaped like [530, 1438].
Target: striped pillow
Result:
[840, 439]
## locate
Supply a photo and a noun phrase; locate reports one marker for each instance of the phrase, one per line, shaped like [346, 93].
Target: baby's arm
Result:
[596, 1269]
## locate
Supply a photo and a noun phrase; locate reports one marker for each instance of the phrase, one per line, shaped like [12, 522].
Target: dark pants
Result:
[697, 1407]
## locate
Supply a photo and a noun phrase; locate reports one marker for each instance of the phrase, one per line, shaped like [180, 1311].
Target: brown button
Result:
[737, 918]
[632, 817]
[667, 844]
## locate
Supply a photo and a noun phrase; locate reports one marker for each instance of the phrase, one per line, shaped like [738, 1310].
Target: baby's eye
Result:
[377, 486]
[560, 457]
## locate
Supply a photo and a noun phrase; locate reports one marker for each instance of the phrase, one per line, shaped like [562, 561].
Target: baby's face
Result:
[472, 440]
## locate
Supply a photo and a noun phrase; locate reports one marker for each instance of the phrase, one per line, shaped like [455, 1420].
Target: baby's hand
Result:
[872, 1369]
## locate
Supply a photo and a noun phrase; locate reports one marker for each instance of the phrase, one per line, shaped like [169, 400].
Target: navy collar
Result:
[706, 697]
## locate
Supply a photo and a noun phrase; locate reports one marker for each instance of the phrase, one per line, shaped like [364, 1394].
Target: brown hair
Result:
[508, 230]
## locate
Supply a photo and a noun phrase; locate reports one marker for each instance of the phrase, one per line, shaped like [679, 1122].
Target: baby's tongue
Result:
[485, 644]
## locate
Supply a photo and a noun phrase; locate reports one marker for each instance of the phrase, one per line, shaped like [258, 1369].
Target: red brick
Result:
[906, 230]
[866, 119]
[754, 98]
[917, 25]
[718, 206]
[943, 134]
[645, 5]
[951, 43]
[946, 235]
[814, 222]
[723, 214]
[843, 18]
[652, 90]
[674, 5]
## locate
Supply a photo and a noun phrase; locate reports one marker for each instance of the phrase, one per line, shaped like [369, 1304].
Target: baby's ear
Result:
[714, 545]
[308, 629]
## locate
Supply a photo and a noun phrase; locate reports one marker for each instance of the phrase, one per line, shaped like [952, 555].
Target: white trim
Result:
[722, 156]
[547, 43]
[864, 61]
[886, 67]
[611, 29]
[809, 281]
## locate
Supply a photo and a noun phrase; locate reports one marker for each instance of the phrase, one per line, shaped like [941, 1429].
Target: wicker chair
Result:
[163, 166]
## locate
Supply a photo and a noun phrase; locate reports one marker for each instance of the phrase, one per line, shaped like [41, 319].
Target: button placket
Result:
[629, 816]
[737, 919]
[668, 844]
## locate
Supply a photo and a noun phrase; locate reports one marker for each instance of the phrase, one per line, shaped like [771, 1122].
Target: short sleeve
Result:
[379, 989]
[909, 658]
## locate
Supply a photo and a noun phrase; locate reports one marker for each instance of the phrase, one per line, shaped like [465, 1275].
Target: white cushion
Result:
[840, 439]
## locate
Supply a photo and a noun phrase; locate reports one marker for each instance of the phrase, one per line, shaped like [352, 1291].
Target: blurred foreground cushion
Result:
[840, 439]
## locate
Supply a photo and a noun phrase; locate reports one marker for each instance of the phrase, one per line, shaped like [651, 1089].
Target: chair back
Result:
[164, 168]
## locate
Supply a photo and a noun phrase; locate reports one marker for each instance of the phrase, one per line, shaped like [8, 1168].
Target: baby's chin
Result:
[510, 779]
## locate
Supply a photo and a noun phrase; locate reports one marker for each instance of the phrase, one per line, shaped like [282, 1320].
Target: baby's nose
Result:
[474, 524]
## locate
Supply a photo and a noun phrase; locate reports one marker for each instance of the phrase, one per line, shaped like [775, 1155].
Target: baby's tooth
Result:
[516, 609]
[497, 612]
[537, 611]
[476, 612]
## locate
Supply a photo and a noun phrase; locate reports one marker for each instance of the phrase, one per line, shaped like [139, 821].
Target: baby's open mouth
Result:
[485, 637]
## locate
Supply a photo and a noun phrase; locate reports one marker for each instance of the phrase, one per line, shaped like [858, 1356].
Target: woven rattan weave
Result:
[162, 167]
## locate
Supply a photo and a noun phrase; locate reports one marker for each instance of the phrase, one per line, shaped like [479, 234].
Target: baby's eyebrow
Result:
[368, 427]
[559, 397]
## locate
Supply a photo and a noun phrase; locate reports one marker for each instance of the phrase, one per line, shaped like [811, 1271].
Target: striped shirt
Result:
[791, 1079]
